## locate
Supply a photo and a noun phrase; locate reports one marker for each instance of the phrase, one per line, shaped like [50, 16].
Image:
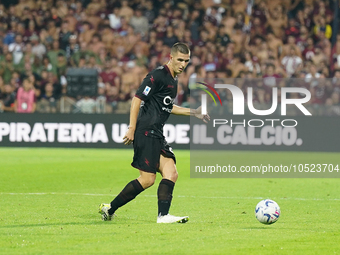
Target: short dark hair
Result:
[270, 65]
[180, 47]
[26, 78]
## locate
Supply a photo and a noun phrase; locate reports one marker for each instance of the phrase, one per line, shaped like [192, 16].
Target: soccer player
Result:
[150, 108]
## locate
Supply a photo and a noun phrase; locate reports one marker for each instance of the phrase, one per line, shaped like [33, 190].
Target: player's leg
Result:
[167, 168]
[146, 159]
[130, 191]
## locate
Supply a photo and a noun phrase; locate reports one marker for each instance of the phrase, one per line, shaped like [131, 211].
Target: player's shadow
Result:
[51, 224]
[121, 221]
[254, 228]
[73, 224]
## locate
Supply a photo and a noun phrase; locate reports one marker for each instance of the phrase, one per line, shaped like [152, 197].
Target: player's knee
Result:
[171, 175]
[174, 176]
[147, 180]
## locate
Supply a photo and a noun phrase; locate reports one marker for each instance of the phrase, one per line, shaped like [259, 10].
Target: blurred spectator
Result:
[48, 101]
[54, 52]
[336, 52]
[139, 22]
[9, 36]
[86, 33]
[31, 30]
[170, 38]
[38, 49]
[238, 38]
[96, 43]
[7, 99]
[291, 43]
[114, 18]
[322, 28]
[64, 35]
[149, 11]
[211, 63]
[2, 85]
[269, 78]
[292, 28]
[318, 56]
[214, 13]
[301, 41]
[276, 21]
[86, 105]
[81, 56]
[309, 51]
[222, 37]
[312, 74]
[336, 81]
[274, 43]
[16, 48]
[112, 97]
[61, 64]
[108, 75]
[7, 67]
[25, 101]
[52, 31]
[140, 58]
[236, 66]
[73, 47]
[101, 99]
[292, 63]
[250, 64]
[126, 11]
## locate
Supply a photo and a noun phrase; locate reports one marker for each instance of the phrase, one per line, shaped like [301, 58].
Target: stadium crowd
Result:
[124, 40]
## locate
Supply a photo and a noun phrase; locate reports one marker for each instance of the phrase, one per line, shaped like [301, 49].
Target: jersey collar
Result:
[167, 68]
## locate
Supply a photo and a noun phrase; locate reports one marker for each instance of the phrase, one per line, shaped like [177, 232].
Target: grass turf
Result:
[50, 197]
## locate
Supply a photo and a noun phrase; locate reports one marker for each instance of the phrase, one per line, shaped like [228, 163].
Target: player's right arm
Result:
[134, 110]
[145, 91]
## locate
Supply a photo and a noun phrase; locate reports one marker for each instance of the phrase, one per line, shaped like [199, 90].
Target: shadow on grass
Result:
[121, 221]
[52, 224]
[255, 228]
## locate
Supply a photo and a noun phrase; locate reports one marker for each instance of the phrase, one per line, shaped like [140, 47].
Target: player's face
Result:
[180, 62]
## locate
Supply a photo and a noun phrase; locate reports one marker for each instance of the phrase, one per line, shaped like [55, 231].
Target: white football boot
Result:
[104, 211]
[172, 219]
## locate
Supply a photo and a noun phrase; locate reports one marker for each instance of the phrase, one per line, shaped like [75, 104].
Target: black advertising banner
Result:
[79, 130]
[301, 133]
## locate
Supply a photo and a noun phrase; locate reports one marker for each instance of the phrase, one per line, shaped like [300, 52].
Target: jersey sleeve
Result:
[150, 85]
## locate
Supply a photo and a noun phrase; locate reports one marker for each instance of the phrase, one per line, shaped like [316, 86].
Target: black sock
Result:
[164, 193]
[131, 190]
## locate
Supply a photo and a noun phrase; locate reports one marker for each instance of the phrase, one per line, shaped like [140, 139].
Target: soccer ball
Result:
[267, 211]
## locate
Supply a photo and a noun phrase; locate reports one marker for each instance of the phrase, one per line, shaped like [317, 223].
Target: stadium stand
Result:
[123, 40]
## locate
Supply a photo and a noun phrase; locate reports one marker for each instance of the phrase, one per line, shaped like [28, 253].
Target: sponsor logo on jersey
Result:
[146, 90]
[152, 79]
[168, 100]
[166, 109]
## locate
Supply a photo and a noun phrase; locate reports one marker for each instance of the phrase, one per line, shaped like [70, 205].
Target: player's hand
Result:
[129, 136]
[198, 114]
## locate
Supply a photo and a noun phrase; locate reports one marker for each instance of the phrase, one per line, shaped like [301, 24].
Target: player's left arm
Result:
[177, 110]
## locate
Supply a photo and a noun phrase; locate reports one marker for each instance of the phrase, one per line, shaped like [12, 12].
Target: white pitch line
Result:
[100, 195]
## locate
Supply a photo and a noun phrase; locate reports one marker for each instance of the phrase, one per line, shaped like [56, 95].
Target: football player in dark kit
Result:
[150, 108]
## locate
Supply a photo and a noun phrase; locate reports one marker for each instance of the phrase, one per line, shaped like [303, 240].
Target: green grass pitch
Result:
[49, 205]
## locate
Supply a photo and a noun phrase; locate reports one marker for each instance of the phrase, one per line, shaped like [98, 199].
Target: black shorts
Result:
[147, 151]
